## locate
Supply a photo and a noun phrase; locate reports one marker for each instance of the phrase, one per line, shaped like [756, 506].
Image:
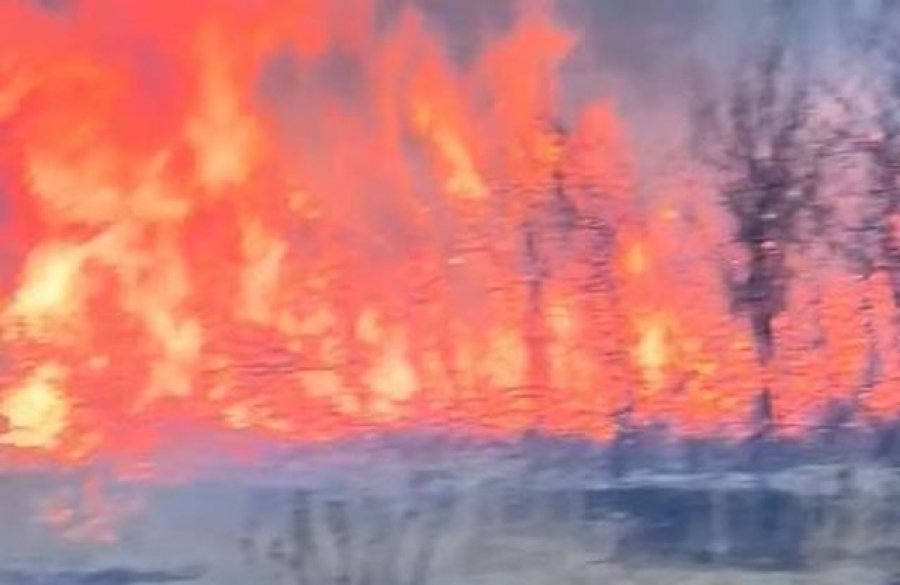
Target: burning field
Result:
[592, 238]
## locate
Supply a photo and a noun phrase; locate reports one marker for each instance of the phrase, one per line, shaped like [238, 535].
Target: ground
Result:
[801, 526]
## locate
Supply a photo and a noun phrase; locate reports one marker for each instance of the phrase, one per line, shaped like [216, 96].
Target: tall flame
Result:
[294, 219]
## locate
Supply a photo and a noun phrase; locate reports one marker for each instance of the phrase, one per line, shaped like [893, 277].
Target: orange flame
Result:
[285, 218]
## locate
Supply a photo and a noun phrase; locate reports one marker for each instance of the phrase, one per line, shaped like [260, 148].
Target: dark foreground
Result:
[806, 525]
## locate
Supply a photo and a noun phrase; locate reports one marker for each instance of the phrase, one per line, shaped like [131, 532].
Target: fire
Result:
[50, 284]
[276, 218]
[224, 137]
[651, 352]
[36, 411]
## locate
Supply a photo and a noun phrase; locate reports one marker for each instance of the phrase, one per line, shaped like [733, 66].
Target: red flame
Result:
[284, 218]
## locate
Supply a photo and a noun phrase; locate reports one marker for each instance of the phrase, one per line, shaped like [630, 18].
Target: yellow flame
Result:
[368, 328]
[392, 378]
[652, 353]
[264, 254]
[462, 180]
[506, 359]
[225, 138]
[37, 411]
[636, 259]
[50, 286]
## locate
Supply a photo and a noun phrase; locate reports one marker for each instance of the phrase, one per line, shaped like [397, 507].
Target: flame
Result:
[275, 218]
[37, 411]
[652, 354]
[50, 285]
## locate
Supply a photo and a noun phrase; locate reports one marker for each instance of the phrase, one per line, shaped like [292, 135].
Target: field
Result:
[412, 525]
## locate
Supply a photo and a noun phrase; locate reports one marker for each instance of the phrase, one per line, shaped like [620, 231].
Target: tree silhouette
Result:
[766, 148]
[874, 123]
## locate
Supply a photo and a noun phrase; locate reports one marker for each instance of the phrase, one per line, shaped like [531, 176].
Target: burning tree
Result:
[766, 148]
[873, 245]
[872, 232]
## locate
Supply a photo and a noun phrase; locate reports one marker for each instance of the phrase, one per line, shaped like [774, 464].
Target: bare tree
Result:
[874, 238]
[872, 112]
[762, 141]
